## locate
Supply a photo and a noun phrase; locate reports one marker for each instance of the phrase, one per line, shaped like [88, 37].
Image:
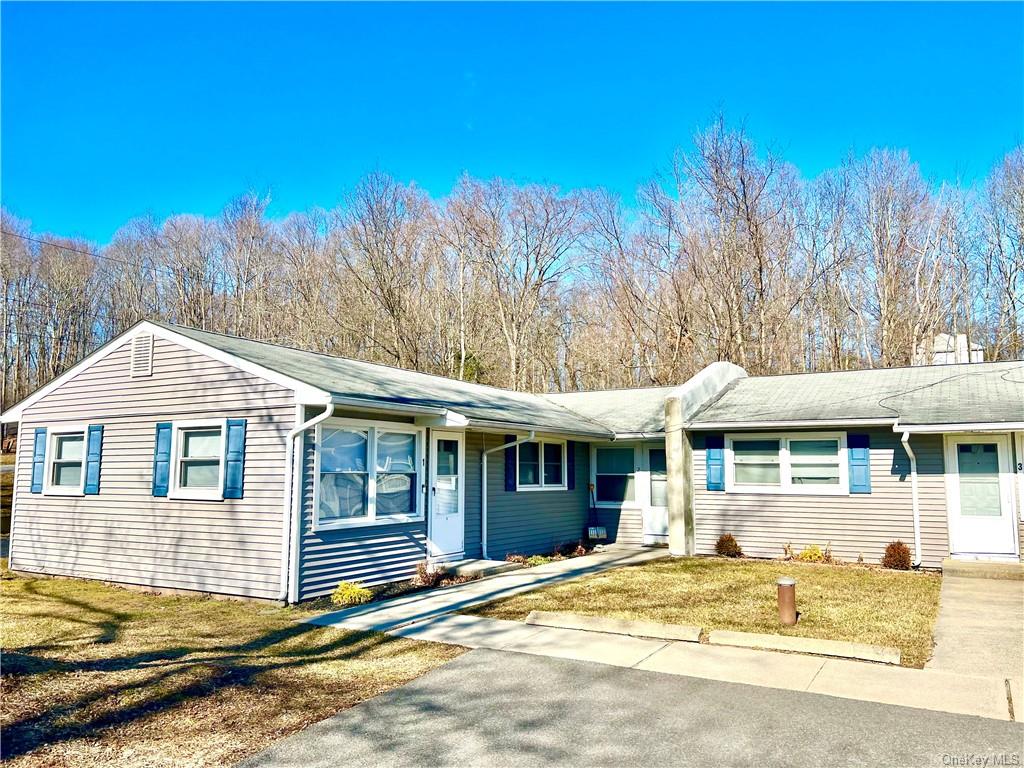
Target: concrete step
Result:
[983, 569]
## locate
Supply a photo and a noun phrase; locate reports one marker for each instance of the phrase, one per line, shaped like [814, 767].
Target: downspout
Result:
[292, 518]
[913, 497]
[483, 487]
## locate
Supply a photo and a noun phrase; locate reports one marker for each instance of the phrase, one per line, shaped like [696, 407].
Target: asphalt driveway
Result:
[494, 708]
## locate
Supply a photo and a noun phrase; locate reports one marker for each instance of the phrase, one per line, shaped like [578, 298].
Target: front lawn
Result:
[866, 605]
[96, 675]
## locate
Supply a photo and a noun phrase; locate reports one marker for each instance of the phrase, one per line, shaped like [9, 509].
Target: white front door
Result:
[446, 537]
[656, 512]
[980, 492]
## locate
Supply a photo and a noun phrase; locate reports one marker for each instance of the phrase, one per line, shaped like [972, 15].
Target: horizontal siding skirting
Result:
[855, 525]
[167, 580]
[124, 534]
[623, 526]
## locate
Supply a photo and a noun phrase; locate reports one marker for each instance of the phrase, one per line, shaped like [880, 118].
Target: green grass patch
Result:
[97, 675]
[836, 602]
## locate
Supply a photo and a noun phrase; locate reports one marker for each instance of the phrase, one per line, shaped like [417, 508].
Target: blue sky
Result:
[111, 111]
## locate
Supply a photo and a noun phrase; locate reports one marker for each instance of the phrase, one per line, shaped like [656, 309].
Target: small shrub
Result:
[430, 577]
[534, 560]
[897, 556]
[727, 546]
[348, 593]
[787, 551]
[811, 554]
[513, 557]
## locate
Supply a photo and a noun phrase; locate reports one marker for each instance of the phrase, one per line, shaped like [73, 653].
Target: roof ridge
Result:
[889, 368]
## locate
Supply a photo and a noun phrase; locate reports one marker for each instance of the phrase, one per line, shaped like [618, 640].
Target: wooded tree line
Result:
[728, 255]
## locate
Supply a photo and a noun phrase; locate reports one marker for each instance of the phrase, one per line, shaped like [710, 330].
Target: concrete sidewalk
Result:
[980, 630]
[395, 613]
[940, 691]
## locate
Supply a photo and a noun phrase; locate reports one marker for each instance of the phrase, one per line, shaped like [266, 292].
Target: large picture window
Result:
[615, 476]
[367, 474]
[541, 465]
[804, 463]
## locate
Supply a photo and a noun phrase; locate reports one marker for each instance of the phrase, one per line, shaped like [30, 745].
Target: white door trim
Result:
[433, 554]
[1006, 490]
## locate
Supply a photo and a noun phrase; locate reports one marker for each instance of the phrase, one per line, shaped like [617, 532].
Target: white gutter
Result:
[292, 513]
[483, 487]
[913, 498]
[983, 426]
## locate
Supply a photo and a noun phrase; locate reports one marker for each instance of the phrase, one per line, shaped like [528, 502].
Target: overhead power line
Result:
[93, 254]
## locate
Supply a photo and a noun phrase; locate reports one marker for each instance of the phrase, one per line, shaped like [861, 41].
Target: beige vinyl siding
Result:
[858, 524]
[126, 535]
[624, 526]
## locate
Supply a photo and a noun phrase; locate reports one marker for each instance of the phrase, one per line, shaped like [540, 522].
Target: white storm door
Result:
[656, 513]
[980, 492]
[447, 495]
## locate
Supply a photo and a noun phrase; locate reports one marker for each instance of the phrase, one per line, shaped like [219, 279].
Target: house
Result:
[946, 348]
[183, 459]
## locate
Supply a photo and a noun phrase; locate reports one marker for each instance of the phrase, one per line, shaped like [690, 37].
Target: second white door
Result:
[447, 496]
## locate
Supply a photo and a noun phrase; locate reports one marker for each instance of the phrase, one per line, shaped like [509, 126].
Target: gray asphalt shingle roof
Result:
[385, 385]
[933, 394]
[937, 394]
[622, 410]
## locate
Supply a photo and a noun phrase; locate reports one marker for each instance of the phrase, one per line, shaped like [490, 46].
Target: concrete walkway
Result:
[395, 613]
[980, 631]
[976, 622]
[940, 691]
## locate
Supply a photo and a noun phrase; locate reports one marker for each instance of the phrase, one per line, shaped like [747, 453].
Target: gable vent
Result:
[142, 356]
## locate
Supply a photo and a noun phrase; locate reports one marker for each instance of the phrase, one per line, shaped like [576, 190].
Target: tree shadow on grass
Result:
[174, 677]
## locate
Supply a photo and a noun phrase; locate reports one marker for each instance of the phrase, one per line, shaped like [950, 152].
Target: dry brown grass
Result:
[96, 675]
[866, 605]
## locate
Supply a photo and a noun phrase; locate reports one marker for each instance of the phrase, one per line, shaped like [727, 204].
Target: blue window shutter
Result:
[570, 465]
[162, 459]
[234, 459]
[38, 460]
[93, 455]
[858, 448]
[510, 464]
[714, 453]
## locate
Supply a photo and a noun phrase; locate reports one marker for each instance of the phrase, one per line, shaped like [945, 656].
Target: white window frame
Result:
[542, 486]
[641, 477]
[52, 433]
[786, 485]
[174, 488]
[371, 428]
